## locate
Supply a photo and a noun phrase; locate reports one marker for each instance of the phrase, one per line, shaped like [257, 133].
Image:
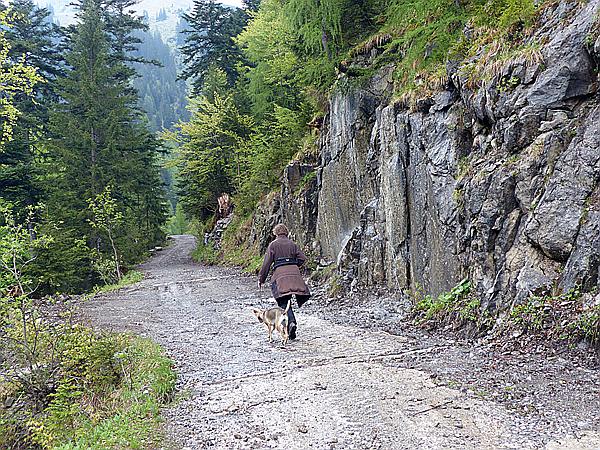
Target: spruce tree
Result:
[100, 140]
[209, 41]
[32, 40]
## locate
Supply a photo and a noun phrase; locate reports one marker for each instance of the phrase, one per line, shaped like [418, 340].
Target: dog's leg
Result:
[270, 333]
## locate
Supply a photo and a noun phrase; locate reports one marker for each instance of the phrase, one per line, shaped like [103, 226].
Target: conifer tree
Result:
[32, 40]
[209, 41]
[101, 141]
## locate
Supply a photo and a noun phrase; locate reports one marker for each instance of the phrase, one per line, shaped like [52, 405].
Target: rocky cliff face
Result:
[499, 182]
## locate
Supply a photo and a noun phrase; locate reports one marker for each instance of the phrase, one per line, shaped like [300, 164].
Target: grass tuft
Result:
[131, 277]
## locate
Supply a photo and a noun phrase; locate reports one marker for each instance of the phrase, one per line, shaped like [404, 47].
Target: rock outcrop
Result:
[498, 182]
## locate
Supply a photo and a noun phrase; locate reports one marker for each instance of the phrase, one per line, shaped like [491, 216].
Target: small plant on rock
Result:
[587, 326]
[459, 307]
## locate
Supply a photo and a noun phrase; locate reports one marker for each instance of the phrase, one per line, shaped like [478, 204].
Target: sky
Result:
[64, 13]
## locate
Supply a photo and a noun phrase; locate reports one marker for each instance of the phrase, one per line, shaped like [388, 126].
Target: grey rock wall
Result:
[499, 183]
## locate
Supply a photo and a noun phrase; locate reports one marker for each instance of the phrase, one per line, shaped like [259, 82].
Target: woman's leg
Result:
[282, 302]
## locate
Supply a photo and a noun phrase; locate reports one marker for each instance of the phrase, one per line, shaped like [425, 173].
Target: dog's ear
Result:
[258, 313]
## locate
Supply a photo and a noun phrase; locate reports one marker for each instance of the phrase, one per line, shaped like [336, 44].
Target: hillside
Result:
[452, 157]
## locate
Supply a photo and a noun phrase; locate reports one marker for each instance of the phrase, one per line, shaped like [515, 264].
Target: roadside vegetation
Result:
[63, 385]
[233, 249]
[131, 277]
[96, 391]
[569, 317]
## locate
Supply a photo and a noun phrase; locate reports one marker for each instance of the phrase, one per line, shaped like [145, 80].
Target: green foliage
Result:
[318, 24]
[587, 326]
[16, 78]
[108, 395]
[506, 13]
[558, 316]
[306, 180]
[205, 254]
[267, 152]
[209, 43]
[234, 250]
[131, 277]
[272, 73]
[210, 158]
[97, 141]
[178, 224]
[531, 315]
[66, 263]
[424, 32]
[62, 385]
[458, 306]
[107, 219]
[31, 40]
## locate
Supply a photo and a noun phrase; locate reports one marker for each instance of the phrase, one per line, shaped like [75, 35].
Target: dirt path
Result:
[335, 387]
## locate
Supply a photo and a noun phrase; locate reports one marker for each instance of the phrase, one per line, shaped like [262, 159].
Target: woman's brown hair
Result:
[280, 230]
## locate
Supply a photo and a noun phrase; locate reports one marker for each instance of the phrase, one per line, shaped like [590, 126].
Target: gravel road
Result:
[338, 386]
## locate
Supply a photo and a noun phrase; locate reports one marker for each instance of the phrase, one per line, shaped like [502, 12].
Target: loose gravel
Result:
[356, 378]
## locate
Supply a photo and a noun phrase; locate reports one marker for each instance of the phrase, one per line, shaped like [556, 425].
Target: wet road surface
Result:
[335, 387]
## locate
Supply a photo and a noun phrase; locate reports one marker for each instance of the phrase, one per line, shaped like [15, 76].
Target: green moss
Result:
[458, 195]
[305, 181]
[463, 167]
[334, 285]
[321, 274]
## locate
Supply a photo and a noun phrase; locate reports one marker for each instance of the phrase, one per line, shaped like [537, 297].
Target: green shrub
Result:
[107, 394]
[531, 315]
[458, 306]
[559, 316]
[587, 326]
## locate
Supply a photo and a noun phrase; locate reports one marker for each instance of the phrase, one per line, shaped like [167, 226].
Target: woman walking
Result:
[285, 257]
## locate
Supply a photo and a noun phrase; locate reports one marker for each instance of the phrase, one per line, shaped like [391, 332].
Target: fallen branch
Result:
[441, 405]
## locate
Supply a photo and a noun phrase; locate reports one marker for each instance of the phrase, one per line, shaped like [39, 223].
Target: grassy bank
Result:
[131, 277]
[105, 391]
[235, 247]
[569, 317]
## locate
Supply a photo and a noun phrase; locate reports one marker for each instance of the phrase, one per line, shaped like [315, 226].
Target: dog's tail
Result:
[287, 308]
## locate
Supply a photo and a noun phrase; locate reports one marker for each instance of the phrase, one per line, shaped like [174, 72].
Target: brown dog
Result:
[274, 319]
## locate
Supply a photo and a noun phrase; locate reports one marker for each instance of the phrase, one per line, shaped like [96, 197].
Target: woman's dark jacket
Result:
[286, 257]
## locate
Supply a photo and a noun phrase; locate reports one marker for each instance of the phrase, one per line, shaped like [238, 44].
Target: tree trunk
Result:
[325, 40]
